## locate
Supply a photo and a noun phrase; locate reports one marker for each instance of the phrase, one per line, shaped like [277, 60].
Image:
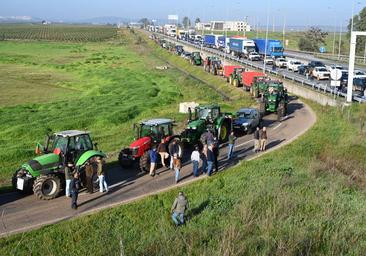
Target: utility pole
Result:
[284, 29]
[273, 23]
[266, 42]
[340, 41]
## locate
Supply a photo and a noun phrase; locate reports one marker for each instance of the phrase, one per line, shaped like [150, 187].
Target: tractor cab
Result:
[196, 58]
[69, 144]
[156, 129]
[208, 112]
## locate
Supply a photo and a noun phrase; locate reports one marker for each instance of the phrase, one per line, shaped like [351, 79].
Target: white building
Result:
[225, 25]
[203, 26]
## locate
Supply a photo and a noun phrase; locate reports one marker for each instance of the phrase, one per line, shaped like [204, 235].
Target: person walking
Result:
[195, 158]
[256, 136]
[103, 187]
[231, 143]
[203, 156]
[263, 138]
[216, 151]
[74, 189]
[210, 159]
[162, 150]
[69, 169]
[177, 165]
[89, 171]
[209, 137]
[153, 160]
[178, 209]
[173, 149]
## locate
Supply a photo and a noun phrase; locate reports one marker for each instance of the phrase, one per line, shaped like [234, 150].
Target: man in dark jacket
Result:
[179, 207]
[216, 152]
[256, 136]
[173, 149]
[74, 189]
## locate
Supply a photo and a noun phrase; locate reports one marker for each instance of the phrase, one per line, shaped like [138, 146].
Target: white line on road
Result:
[242, 144]
[277, 126]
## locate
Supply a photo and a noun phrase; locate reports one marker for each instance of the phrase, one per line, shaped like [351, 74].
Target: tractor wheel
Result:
[236, 83]
[262, 108]
[230, 80]
[47, 187]
[280, 111]
[123, 162]
[145, 162]
[224, 131]
[14, 179]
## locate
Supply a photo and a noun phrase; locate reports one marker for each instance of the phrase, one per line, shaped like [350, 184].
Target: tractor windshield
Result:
[82, 143]
[155, 131]
[204, 113]
[59, 142]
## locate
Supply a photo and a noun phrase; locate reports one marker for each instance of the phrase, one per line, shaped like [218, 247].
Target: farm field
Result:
[68, 33]
[101, 86]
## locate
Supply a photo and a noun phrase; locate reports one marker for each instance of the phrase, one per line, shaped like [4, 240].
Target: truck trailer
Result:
[241, 47]
[274, 47]
[211, 41]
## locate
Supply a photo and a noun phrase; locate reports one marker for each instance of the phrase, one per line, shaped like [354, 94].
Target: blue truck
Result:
[241, 47]
[211, 41]
[274, 47]
[223, 42]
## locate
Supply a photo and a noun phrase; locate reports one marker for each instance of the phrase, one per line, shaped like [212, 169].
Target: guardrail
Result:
[304, 82]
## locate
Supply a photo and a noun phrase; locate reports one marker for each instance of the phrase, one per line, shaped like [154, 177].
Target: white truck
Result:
[293, 65]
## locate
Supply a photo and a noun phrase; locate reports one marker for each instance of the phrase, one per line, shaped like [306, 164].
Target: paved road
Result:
[20, 213]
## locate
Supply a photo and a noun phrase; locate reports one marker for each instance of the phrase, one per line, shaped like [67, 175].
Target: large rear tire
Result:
[224, 131]
[47, 187]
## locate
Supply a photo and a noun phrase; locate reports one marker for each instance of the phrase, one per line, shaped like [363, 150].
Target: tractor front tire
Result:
[145, 162]
[262, 108]
[47, 187]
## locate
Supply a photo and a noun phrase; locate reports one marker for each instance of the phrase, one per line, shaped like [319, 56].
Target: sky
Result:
[294, 12]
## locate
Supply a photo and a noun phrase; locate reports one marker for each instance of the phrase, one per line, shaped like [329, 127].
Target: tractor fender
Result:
[87, 155]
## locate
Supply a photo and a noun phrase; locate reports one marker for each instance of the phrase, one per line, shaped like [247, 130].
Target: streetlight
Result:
[269, 3]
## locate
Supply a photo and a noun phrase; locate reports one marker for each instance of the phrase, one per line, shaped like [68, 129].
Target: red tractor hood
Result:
[141, 142]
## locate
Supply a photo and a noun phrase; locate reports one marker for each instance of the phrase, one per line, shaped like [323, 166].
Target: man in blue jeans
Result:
[179, 206]
[195, 158]
[231, 143]
[210, 159]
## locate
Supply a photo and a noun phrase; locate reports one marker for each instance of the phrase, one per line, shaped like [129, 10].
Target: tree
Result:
[145, 22]
[312, 40]
[359, 24]
[198, 20]
[186, 22]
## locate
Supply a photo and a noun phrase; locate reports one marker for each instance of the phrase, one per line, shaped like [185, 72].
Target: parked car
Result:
[280, 62]
[247, 120]
[293, 65]
[320, 73]
[332, 67]
[254, 56]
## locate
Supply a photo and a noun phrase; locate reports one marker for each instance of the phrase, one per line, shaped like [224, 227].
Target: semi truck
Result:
[223, 43]
[241, 47]
[211, 41]
[274, 47]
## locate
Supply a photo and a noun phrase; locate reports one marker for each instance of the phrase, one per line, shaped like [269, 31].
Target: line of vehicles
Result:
[271, 52]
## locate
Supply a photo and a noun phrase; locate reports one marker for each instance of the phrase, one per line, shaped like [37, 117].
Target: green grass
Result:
[103, 87]
[298, 200]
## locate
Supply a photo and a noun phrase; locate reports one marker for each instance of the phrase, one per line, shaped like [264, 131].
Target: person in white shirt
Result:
[195, 158]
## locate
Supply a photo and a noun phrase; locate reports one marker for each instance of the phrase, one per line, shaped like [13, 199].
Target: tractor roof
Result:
[71, 133]
[158, 121]
[208, 106]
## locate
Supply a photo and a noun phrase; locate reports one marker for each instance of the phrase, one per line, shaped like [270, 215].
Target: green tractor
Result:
[44, 175]
[207, 117]
[260, 85]
[236, 77]
[196, 59]
[274, 99]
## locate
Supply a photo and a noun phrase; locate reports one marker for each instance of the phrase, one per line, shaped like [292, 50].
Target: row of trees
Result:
[186, 22]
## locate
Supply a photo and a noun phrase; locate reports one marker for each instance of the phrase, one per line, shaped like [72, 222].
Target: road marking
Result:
[242, 144]
[277, 126]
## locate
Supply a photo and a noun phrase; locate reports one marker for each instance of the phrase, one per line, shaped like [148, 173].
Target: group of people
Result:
[73, 182]
[260, 139]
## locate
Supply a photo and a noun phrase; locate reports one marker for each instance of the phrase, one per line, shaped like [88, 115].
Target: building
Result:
[224, 25]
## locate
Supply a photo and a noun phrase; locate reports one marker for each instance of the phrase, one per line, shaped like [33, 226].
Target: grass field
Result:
[103, 87]
[304, 199]
[57, 32]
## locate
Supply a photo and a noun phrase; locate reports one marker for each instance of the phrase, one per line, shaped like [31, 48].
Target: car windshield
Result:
[245, 115]
[297, 63]
[250, 48]
[322, 70]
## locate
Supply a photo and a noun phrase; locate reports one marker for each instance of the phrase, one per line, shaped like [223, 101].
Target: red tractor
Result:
[149, 134]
